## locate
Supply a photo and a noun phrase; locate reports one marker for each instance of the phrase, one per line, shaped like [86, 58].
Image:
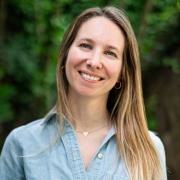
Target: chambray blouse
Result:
[37, 151]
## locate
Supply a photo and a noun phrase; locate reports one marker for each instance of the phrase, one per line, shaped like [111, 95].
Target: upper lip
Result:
[90, 73]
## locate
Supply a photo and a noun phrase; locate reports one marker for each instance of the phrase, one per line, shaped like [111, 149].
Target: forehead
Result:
[101, 29]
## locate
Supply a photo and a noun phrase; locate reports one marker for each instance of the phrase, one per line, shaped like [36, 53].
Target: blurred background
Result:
[30, 36]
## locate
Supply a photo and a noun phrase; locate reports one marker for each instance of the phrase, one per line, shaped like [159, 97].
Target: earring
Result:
[118, 85]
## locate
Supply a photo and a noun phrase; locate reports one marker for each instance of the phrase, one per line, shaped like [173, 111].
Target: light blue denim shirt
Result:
[37, 151]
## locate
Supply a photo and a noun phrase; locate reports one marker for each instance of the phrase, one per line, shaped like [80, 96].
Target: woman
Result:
[102, 132]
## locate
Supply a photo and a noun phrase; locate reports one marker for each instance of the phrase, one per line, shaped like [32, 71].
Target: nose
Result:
[95, 60]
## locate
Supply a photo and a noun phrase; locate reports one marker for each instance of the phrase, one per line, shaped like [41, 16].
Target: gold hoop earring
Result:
[118, 85]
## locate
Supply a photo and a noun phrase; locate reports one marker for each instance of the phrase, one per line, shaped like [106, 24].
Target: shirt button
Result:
[100, 155]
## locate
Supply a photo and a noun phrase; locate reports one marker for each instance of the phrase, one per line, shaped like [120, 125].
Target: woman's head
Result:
[94, 60]
[130, 52]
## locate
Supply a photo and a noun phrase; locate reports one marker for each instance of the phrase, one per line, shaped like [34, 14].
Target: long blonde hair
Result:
[125, 105]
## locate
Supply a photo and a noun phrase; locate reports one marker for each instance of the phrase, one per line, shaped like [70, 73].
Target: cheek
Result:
[71, 61]
[74, 56]
[69, 65]
[114, 70]
[70, 58]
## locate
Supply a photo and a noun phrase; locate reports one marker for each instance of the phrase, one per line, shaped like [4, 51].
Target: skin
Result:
[93, 67]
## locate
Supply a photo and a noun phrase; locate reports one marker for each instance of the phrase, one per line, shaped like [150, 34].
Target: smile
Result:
[89, 77]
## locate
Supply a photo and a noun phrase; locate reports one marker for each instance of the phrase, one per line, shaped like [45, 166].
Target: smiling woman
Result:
[97, 129]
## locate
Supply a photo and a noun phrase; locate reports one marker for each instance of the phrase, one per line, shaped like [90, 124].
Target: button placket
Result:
[98, 164]
[77, 161]
[73, 154]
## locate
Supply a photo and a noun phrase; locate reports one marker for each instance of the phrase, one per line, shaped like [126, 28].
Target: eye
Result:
[111, 53]
[85, 46]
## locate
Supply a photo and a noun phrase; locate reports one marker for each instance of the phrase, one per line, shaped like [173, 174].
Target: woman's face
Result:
[94, 61]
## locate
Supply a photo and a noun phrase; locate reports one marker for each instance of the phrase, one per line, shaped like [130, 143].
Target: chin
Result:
[89, 93]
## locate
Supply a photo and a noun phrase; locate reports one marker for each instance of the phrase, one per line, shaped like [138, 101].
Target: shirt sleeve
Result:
[11, 166]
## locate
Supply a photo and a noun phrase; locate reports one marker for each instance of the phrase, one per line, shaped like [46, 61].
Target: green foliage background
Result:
[30, 36]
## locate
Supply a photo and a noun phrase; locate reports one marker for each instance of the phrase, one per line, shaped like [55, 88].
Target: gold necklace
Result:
[86, 133]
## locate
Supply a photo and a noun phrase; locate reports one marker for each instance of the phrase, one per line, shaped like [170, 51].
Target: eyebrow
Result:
[108, 46]
[87, 39]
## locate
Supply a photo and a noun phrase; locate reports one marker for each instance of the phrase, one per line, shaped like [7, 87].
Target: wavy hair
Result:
[125, 105]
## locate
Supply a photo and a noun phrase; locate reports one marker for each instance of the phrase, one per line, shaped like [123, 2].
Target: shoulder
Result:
[161, 152]
[32, 136]
[157, 142]
[158, 145]
[29, 129]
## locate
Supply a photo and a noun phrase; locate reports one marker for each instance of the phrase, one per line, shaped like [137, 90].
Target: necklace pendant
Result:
[85, 133]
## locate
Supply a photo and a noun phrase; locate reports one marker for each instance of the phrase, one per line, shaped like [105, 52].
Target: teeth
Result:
[90, 77]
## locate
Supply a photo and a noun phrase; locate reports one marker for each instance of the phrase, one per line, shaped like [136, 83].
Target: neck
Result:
[88, 113]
